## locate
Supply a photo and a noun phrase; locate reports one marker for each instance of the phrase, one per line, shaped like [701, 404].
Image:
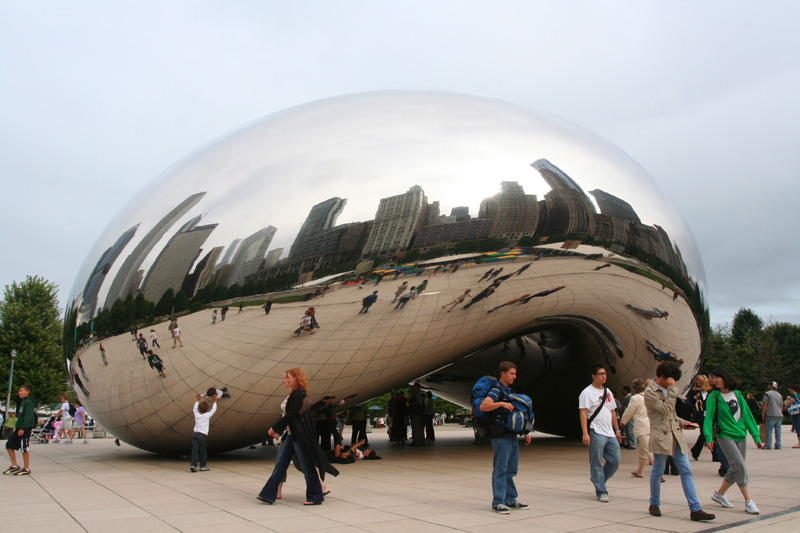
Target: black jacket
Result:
[298, 420]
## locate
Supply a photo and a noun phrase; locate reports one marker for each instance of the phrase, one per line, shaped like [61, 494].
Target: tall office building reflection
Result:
[101, 269]
[125, 282]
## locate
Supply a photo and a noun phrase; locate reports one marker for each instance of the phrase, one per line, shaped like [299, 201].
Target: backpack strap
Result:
[597, 411]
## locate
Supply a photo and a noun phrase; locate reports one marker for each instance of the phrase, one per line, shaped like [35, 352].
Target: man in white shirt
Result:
[66, 421]
[600, 431]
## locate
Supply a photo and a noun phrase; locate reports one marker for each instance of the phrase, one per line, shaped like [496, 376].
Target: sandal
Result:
[636, 474]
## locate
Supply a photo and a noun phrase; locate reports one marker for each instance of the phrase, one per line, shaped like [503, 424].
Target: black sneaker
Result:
[11, 470]
[192, 469]
[23, 472]
[518, 505]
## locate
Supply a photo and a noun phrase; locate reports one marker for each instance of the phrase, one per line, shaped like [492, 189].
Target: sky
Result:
[99, 98]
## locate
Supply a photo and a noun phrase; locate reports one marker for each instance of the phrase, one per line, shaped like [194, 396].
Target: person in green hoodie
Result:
[727, 415]
[20, 437]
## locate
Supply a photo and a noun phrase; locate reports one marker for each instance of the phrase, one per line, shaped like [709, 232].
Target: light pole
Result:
[10, 376]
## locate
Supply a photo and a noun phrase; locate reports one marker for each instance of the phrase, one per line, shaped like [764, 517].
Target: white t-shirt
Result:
[65, 412]
[733, 403]
[590, 400]
[201, 419]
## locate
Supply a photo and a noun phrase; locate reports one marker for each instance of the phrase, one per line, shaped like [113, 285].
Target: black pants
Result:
[429, 428]
[323, 428]
[359, 432]
[199, 449]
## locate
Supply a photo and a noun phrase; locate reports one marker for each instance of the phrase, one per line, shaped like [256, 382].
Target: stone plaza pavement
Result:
[440, 487]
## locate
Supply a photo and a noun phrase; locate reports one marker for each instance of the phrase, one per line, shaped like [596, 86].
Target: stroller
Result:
[46, 432]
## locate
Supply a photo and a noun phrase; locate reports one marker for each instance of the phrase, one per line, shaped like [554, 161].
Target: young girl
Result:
[202, 415]
[727, 408]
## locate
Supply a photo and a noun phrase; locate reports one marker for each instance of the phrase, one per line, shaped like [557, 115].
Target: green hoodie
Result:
[717, 410]
[26, 415]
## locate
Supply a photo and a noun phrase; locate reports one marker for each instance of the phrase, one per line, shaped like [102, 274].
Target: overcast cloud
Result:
[98, 98]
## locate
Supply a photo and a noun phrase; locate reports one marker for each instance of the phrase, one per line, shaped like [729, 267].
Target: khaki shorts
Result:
[643, 445]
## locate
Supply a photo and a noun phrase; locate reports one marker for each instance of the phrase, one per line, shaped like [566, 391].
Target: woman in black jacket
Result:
[300, 440]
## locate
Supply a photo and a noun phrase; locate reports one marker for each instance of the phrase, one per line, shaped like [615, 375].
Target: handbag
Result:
[794, 407]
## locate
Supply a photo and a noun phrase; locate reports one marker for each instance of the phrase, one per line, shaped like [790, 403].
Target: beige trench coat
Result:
[665, 426]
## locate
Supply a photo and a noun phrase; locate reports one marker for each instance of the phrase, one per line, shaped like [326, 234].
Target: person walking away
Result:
[202, 417]
[268, 306]
[504, 443]
[727, 409]
[771, 410]
[666, 439]
[637, 412]
[600, 431]
[20, 437]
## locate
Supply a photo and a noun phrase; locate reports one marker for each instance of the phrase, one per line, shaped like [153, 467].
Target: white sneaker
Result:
[603, 498]
[722, 500]
[750, 507]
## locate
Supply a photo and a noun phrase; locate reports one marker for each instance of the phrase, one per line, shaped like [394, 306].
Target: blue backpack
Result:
[520, 420]
[481, 421]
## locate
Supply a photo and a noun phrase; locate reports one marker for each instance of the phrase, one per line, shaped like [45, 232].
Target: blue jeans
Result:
[602, 447]
[681, 461]
[631, 435]
[773, 423]
[289, 448]
[506, 460]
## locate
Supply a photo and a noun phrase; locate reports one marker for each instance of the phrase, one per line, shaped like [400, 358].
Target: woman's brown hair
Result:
[300, 377]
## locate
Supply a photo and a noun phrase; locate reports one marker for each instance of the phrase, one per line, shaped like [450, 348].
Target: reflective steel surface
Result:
[597, 266]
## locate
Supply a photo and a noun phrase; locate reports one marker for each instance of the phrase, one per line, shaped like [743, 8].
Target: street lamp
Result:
[10, 376]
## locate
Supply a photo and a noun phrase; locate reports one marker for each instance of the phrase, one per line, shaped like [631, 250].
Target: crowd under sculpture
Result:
[598, 267]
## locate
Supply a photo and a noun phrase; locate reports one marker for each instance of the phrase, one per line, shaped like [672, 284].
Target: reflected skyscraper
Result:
[176, 258]
[568, 209]
[320, 219]
[123, 283]
[100, 271]
[614, 206]
[249, 255]
[514, 213]
[396, 222]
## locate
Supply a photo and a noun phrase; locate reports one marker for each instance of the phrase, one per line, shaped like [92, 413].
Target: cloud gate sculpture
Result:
[571, 253]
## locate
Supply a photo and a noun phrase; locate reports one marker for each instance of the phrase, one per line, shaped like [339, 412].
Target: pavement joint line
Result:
[758, 518]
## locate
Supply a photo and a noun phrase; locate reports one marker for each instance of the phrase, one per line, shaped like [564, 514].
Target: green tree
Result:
[30, 323]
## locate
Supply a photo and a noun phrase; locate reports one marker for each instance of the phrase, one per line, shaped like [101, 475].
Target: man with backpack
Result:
[600, 431]
[504, 443]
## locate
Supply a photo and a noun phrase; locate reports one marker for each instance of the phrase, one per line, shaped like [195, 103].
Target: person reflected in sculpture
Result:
[268, 306]
[154, 338]
[400, 290]
[300, 439]
[458, 299]
[305, 324]
[649, 315]
[510, 302]
[486, 274]
[156, 363]
[485, 293]
[661, 355]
